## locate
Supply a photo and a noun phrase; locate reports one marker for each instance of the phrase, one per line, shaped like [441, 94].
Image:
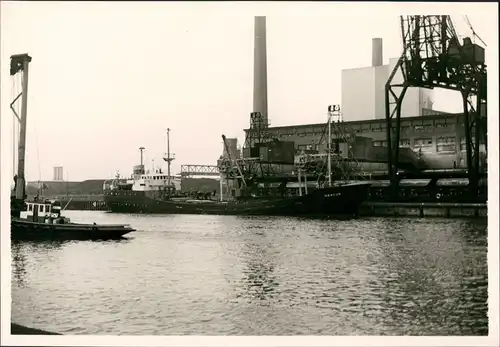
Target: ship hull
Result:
[338, 200]
[23, 229]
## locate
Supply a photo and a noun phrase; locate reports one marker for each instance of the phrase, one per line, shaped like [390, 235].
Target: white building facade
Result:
[363, 90]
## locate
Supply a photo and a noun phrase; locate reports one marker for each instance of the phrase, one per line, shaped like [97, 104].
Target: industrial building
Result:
[232, 145]
[439, 139]
[58, 173]
[363, 90]
[436, 139]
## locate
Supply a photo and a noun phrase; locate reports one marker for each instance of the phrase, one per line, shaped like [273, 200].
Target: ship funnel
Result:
[260, 69]
[377, 52]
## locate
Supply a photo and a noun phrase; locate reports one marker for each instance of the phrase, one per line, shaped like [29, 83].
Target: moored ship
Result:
[342, 199]
[255, 185]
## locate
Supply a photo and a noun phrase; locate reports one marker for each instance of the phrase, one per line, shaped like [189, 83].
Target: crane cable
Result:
[474, 34]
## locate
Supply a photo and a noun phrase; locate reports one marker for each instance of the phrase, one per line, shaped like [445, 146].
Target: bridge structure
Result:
[190, 170]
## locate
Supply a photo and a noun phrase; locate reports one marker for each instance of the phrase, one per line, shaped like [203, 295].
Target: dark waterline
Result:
[223, 275]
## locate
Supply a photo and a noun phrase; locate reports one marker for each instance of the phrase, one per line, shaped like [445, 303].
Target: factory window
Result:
[446, 144]
[405, 143]
[379, 143]
[405, 128]
[423, 128]
[462, 143]
[442, 125]
[423, 144]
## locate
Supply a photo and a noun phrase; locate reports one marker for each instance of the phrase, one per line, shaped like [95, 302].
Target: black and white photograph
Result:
[249, 173]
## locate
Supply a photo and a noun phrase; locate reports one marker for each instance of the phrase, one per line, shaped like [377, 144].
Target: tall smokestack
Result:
[377, 52]
[260, 69]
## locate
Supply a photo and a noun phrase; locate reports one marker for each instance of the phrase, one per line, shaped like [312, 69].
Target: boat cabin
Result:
[45, 211]
[154, 181]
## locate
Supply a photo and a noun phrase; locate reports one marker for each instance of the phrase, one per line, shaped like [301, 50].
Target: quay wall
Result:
[446, 210]
[369, 208]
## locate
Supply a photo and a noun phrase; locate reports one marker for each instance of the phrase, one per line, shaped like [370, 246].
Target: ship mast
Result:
[141, 149]
[333, 110]
[329, 148]
[168, 158]
[20, 63]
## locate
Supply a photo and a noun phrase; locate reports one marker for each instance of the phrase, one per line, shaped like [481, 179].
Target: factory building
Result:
[438, 139]
[363, 90]
[232, 145]
[430, 138]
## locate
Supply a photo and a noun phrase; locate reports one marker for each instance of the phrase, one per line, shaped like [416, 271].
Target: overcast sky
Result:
[107, 78]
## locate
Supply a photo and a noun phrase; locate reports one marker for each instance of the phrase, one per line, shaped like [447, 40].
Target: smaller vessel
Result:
[44, 220]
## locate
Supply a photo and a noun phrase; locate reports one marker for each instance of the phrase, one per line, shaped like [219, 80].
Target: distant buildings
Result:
[58, 173]
[234, 151]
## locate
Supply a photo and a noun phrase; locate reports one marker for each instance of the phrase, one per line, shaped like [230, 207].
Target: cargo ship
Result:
[254, 185]
[280, 200]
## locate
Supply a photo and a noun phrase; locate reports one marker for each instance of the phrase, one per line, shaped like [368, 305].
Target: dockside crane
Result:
[19, 64]
[433, 57]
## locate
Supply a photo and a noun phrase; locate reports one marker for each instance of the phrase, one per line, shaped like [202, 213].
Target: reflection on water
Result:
[258, 276]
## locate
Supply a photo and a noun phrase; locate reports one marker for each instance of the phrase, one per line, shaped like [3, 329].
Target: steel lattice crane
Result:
[433, 57]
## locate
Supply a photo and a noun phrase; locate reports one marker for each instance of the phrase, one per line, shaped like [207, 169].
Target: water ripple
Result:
[258, 276]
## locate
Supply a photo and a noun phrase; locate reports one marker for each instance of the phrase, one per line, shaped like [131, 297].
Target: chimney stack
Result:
[260, 69]
[377, 52]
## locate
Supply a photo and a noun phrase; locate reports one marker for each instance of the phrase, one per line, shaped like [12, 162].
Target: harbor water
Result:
[225, 275]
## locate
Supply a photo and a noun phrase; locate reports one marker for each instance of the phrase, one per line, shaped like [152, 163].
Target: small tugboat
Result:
[44, 220]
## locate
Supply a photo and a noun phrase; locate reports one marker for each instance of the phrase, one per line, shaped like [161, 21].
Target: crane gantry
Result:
[433, 57]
